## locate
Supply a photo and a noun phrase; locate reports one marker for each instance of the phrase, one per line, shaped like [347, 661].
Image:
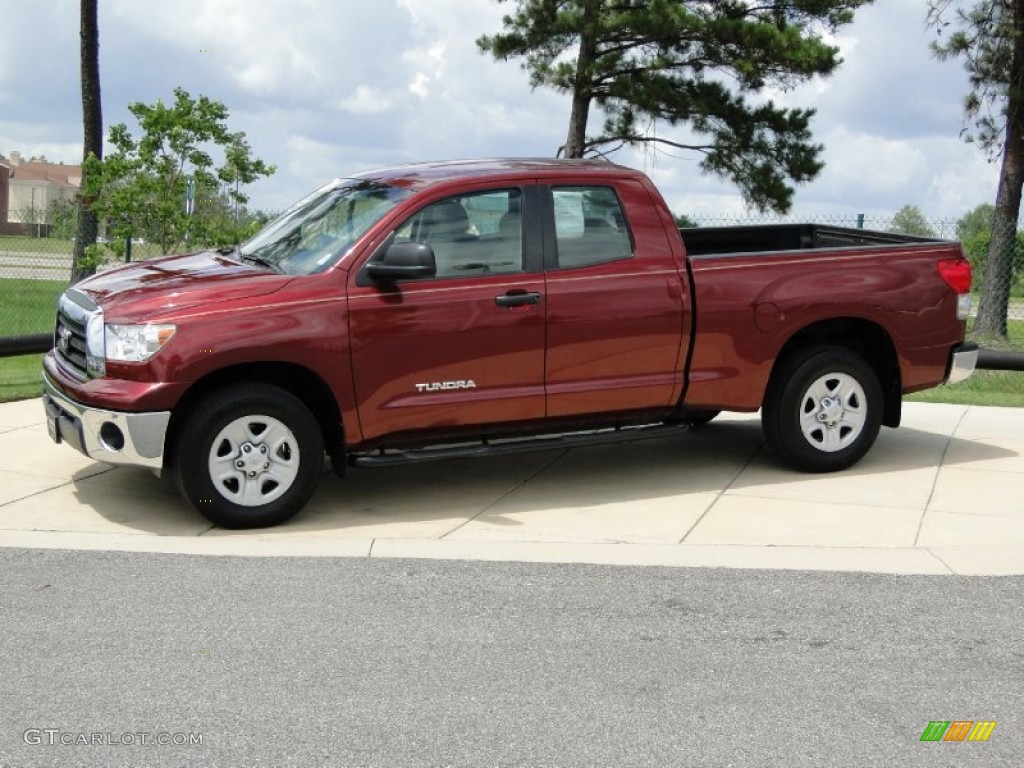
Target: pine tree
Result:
[685, 62]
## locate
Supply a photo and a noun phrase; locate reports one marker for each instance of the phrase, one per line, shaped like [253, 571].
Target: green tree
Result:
[224, 220]
[988, 35]
[82, 262]
[909, 220]
[685, 62]
[685, 222]
[976, 221]
[140, 187]
[63, 217]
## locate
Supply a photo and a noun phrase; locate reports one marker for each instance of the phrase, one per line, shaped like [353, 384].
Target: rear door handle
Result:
[517, 299]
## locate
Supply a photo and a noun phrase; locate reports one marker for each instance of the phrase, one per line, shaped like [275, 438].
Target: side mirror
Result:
[403, 261]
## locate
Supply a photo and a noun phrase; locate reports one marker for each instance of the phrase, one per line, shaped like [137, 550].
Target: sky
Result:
[327, 88]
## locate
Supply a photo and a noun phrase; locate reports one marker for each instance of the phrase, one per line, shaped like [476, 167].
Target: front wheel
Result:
[823, 409]
[250, 456]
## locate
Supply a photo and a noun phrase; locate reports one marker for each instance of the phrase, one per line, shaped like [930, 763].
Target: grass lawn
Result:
[1014, 341]
[30, 244]
[1005, 388]
[28, 306]
[20, 377]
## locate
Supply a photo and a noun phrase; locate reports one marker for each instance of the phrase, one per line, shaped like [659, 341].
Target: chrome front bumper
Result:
[114, 437]
[962, 362]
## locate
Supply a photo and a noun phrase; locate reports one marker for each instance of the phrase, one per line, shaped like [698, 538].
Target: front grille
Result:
[69, 343]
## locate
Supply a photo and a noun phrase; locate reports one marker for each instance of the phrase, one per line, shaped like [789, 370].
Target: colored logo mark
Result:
[958, 730]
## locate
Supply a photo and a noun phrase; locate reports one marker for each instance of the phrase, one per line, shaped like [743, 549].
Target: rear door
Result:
[616, 300]
[464, 348]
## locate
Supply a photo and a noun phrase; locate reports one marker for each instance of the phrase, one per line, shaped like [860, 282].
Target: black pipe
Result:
[12, 346]
[995, 360]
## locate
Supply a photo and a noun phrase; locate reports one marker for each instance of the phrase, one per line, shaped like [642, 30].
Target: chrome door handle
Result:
[520, 299]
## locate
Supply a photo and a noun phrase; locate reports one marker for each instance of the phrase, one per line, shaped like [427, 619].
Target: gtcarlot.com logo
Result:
[51, 737]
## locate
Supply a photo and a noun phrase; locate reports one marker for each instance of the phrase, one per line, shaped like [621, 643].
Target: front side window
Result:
[473, 234]
[590, 227]
[315, 232]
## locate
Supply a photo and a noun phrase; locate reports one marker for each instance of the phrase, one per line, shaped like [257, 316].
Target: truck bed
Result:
[767, 238]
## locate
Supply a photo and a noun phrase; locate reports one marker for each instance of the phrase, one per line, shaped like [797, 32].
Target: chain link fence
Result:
[35, 261]
[35, 268]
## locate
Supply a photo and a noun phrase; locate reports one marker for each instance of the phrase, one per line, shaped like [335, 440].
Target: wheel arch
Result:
[864, 337]
[301, 382]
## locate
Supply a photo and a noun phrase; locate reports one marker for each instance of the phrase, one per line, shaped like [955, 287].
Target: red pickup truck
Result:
[483, 307]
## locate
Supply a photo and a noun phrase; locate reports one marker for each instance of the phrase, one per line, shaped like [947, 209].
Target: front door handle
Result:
[517, 299]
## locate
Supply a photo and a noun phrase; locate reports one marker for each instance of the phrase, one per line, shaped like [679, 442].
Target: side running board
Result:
[502, 447]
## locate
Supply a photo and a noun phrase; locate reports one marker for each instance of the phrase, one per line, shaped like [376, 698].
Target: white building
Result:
[32, 187]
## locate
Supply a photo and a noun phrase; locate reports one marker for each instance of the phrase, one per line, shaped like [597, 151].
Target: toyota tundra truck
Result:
[484, 307]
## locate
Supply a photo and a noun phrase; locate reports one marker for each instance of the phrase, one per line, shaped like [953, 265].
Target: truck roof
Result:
[421, 175]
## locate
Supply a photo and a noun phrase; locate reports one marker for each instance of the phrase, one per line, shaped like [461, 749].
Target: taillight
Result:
[957, 275]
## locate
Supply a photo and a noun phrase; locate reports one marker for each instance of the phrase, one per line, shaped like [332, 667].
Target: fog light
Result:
[111, 436]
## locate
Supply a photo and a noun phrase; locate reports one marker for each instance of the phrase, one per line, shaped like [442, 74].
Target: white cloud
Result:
[366, 100]
[419, 84]
[324, 88]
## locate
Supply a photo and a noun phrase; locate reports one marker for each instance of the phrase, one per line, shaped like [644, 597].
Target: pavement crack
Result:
[509, 492]
[938, 471]
[724, 490]
[945, 565]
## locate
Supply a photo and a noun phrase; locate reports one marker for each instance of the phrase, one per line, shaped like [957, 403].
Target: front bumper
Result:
[114, 437]
[962, 362]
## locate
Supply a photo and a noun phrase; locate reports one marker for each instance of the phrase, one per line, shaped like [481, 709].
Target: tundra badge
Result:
[438, 385]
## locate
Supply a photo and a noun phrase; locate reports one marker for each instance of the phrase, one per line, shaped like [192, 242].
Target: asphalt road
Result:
[349, 662]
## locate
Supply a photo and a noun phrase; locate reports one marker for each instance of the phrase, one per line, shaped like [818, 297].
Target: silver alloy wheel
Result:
[253, 460]
[833, 412]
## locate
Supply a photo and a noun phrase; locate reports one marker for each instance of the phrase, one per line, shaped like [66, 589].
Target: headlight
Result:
[136, 343]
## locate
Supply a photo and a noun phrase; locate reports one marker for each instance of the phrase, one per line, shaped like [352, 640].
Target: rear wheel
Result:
[823, 409]
[250, 456]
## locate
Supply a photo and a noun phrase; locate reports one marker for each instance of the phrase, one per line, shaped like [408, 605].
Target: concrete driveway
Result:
[942, 494]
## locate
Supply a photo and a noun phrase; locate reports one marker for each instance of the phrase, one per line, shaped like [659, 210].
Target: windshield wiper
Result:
[254, 259]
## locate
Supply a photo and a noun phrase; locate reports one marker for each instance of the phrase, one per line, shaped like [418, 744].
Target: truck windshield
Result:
[315, 232]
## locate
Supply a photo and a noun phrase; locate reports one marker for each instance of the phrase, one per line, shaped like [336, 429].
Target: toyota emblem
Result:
[63, 338]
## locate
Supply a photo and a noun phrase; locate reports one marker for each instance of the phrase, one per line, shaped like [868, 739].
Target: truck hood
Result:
[150, 289]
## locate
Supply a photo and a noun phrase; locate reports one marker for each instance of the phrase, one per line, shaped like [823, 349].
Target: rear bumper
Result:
[962, 362]
[114, 437]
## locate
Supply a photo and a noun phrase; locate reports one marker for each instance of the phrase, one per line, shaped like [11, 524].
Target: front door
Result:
[465, 347]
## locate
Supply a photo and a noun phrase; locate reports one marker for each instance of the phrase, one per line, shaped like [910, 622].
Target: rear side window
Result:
[590, 227]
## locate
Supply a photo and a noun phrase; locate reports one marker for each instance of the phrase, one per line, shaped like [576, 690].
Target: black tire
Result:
[823, 409]
[700, 418]
[250, 456]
